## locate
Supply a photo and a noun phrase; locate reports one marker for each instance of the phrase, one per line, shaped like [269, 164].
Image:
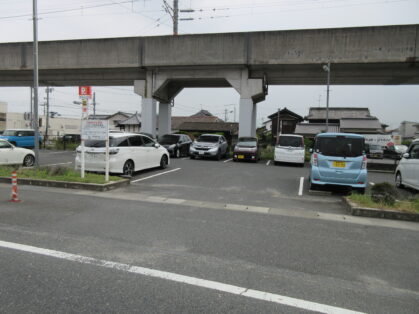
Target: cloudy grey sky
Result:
[70, 19]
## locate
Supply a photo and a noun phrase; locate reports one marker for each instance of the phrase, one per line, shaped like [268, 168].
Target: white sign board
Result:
[95, 130]
[377, 139]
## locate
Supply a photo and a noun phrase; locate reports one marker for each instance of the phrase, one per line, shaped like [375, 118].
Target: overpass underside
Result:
[285, 74]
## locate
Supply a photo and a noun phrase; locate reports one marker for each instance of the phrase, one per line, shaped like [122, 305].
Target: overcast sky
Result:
[71, 19]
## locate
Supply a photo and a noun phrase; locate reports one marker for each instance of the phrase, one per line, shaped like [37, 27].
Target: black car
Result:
[71, 138]
[176, 144]
[394, 151]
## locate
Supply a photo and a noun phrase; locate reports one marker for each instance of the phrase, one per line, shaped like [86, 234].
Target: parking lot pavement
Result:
[56, 157]
[256, 184]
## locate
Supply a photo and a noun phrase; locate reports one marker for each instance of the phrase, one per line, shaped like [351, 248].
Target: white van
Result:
[290, 148]
[407, 172]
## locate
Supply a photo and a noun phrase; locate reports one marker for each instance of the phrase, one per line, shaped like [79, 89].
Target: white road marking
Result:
[61, 163]
[193, 281]
[155, 175]
[372, 183]
[184, 158]
[228, 160]
[268, 163]
[300, 190]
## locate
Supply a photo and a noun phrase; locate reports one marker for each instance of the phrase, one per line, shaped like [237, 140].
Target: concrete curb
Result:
[70, 185]
[355, 210]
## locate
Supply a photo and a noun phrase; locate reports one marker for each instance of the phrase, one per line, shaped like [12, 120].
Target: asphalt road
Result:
[365, 266]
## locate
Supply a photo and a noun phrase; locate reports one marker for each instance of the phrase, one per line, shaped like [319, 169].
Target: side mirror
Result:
[156, 145]
[406, 155]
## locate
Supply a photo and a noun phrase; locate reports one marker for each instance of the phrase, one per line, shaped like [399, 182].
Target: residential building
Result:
[132, 124]
[341, 119]
[283, 121]
[409, 130]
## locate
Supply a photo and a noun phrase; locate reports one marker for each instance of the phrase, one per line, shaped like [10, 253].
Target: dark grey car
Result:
[176, 144]
[209, 145]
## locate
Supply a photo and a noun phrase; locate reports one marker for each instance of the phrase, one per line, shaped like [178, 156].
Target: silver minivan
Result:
[407, 172]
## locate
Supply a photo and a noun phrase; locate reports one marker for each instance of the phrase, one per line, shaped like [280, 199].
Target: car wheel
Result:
[28, 161]
[177, 153]
[192, 156]
[218, 157]
[128, 169]
[313, 186]
[163, 162]
[399, 182]
[302, 165]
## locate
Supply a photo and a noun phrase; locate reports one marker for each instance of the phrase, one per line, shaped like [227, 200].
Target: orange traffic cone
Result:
[15, 198]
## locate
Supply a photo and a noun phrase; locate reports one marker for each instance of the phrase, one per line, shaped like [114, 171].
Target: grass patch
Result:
[57, 174]
[409, 206]
[267, 153]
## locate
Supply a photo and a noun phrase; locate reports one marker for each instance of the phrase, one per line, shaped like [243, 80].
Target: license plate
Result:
[200, 152]
[339, 164]
[240, 156]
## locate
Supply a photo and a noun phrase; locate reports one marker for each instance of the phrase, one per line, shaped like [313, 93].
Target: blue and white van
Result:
[339, 159]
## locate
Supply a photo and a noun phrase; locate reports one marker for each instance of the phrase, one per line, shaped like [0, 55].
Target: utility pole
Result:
[175, 16]
[225, 114]
[47, 90]
[35, 80]
[94, 105]
[31, 109]
[327, 69]
[277, 126]
[174, 13]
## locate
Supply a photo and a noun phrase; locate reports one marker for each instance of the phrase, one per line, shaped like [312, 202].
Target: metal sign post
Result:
[107, 153]
[85, 92]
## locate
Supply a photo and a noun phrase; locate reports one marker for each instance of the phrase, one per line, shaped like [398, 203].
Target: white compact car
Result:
[128, 152]
[12, 155]
[290, 148]
[407, 172]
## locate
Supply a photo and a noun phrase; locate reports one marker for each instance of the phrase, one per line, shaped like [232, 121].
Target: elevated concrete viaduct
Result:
[160, 67]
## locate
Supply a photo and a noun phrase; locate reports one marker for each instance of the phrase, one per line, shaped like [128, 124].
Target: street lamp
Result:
[327, 69]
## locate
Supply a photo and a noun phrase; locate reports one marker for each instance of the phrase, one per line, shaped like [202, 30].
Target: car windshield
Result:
[290, 141]
[247, 141]
[9, 133]
[375, 147]
[208, 139]
[340, 146]
[113, 142]
[169, 139]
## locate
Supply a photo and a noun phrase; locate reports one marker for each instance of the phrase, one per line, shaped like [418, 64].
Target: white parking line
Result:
[61, 163]
[372, 183]
[155, 175]
[300, 190]
[184, 158]
[193, 281]
[268, 163]
[228, 160]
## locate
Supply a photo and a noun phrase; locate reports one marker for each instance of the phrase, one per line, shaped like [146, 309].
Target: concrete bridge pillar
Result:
[165, 118]
[148, 105]
[247, 117]
[251, 92]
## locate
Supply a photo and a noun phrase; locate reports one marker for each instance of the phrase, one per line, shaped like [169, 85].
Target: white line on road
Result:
[193, 281]
[155, 175]
[372, 183]
[228, 160]
[268, 163]
[300, 190]
[61, 163]
[184, 158]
